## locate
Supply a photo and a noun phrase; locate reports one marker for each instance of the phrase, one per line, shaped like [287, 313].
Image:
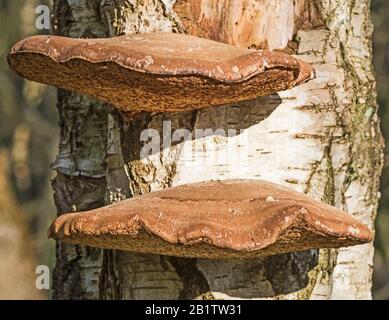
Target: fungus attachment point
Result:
[216, 219]
[157, 72]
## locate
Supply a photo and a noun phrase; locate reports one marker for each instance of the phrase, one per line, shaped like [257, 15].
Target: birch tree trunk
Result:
[321, 138]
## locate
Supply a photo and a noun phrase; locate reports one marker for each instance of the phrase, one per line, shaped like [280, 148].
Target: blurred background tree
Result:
[380, 14]
[18, 262]
[28, 136]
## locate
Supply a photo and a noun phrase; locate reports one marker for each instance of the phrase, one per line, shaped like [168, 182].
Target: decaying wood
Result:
[257, 24]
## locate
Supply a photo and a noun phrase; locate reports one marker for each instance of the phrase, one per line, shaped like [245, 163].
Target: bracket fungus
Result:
[216, 219]
[157, 72]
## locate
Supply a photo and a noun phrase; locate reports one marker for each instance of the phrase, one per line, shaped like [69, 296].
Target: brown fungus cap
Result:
[157, 72]
[216, 219]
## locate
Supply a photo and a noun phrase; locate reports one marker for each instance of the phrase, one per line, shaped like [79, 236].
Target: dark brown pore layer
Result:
[135, 91]
[291, 240]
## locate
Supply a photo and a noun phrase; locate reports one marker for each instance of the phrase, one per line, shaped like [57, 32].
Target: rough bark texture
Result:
[322, 138]
[81, 176]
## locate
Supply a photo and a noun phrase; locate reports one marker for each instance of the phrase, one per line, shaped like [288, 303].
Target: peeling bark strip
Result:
[328, 145]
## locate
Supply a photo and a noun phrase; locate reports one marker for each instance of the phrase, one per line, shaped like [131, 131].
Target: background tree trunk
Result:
[18, 262]
[321, 138]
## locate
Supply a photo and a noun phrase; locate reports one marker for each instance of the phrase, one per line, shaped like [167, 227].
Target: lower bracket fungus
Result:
[157, 72]
[216, 219]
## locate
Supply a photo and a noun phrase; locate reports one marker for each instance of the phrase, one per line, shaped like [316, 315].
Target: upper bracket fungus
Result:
[157, 72]
[216, 219]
